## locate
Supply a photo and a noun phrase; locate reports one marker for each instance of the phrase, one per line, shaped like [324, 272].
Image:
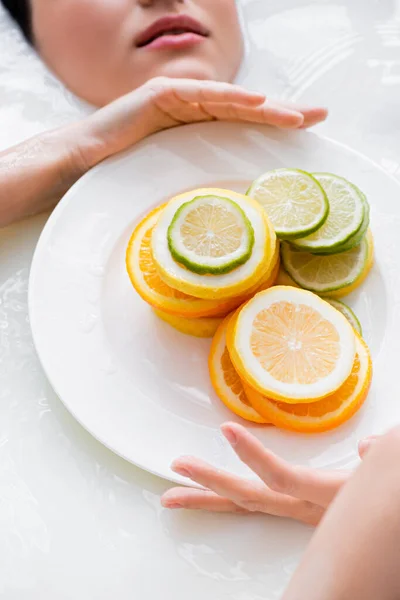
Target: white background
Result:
[76, 522]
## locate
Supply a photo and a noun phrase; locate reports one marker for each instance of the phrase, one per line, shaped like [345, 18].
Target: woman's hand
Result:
[283, 490]
[163, 103]
[35, 174]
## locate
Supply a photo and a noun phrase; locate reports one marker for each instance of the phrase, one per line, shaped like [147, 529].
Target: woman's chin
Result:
[181, 68]
[186, 68]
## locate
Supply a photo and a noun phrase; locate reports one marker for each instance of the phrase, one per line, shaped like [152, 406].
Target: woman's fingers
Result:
[278, 114]
[252, 496]
[312, 114]
[188, 90]
[190, 101]
[318, 487]
[194, 499]
[267, 113]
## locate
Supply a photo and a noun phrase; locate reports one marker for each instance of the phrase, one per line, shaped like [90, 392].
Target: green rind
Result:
[285, 248]
[282, 235]
[336, 248]
[204, 269]
[358, 237]
[347, 312]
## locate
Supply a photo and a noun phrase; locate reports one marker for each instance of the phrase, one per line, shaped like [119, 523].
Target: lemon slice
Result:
[210, 235]
[203, 327]
[347, 312]
[221, 285]
[291, 345]
[294, 201]
[326, 274]
[346, 215]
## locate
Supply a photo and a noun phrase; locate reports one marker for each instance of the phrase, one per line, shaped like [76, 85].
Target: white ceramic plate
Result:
[138, 386]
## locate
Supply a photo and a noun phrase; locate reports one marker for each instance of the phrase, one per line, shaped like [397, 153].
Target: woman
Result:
[149, 65]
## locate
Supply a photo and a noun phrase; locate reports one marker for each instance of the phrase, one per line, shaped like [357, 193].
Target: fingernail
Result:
[181, 471]
[173, 505]
[230, 436]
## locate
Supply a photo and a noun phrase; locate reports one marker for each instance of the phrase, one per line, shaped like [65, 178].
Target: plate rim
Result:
[46, 232]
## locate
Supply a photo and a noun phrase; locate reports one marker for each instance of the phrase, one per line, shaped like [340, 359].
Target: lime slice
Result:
[346, 214]
[294, 201]
[358, 237]
[347, 312]
[210, 235]
[225, 285]
[324, 274]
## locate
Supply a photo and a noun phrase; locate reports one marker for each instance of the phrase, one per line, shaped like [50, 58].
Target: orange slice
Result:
[203, 327]
[225, 380]
[328, 413]
[149, 285]
[291, 345]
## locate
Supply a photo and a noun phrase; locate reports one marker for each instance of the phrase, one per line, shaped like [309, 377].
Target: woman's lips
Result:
[172, 31]
[176, 42]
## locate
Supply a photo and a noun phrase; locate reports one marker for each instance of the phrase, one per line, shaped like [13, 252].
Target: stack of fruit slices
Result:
[324, 220]
[207, 261]
[200, 256]
[289, 358]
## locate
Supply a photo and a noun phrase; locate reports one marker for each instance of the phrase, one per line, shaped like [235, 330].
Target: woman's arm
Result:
[35, 174]
[355, 553]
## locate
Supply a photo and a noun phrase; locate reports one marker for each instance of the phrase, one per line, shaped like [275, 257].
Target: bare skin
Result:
[95, 48]
[36, 174]
[283, 490]
[355, 551]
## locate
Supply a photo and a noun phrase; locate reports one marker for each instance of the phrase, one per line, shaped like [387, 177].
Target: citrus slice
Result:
[210, 235]
[347, 312]
[149, 285]
[203, 327]
[226, 382]
[346, 214]
[358, 237]
[345, 291]
[294, 201]
[291, 345]
[326, 274]
[267, 281]
[332, 411]
[214, 286]
[284, 278]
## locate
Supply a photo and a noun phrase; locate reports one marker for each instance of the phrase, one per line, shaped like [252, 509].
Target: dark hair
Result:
[20, 10]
